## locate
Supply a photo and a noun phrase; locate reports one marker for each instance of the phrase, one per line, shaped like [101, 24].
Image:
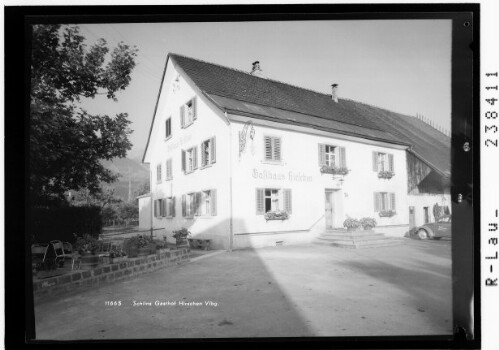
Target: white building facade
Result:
[251, 182]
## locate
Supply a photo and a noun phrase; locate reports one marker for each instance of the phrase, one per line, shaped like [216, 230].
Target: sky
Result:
[400, 65]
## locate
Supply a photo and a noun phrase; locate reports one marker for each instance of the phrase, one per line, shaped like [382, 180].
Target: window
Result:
[188, 113]
[272, 147]
[189, 160]
[208, 152]
[332, 156]
[273, 199]
[202, 203]
[170, 207]
[382, 161]
[169, 172]
[168, 127]
[158, 173]
[160, 208]
[384, 201]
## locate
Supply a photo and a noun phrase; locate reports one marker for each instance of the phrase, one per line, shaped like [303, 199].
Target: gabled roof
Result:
[238, 92]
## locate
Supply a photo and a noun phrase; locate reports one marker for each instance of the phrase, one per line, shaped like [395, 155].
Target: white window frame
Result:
[208, 152]
[386, 202]
[331, 153]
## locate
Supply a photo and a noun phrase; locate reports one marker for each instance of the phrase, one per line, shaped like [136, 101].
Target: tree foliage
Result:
[67, 143]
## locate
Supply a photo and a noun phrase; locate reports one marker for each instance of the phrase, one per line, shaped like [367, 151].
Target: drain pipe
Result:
[231, 226]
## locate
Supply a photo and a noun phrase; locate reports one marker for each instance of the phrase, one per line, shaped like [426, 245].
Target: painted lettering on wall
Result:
[178, 143]
[279, 176]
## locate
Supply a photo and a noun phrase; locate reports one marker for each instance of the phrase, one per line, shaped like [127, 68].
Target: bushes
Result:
[60, 223]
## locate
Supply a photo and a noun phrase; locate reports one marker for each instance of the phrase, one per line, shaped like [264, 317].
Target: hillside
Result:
[130, 170]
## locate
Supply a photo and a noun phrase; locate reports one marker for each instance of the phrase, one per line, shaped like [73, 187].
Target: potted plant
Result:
[142, 244]
[387, 213]
[116, 256]
[87, 246]
[351, 224]
[368, 223]
[386, 174]
[334, 170]
[276, 215]
[181, 236]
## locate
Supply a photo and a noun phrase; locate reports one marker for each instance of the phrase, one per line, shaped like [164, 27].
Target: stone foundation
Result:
[80, 280]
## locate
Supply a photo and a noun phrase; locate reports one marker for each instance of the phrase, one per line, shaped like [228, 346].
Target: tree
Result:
[67, 143]
[129, 212]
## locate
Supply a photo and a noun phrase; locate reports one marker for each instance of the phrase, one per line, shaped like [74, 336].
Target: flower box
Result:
[386, 213]
[334, 170]
[386, 174]
[276, 215]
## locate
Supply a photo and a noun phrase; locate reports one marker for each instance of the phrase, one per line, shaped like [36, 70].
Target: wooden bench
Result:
[201, 243]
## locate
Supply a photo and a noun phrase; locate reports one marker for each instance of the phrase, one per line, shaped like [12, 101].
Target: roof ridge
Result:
[241, 71]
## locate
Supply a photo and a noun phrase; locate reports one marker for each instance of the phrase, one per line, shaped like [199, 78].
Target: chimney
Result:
[334, 92]
[255, 70]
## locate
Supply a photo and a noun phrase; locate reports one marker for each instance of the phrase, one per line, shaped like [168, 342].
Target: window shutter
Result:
[390, 162]
[392, 201]
[343, 159]
[268, 148]
[376, 201]
[260, 208]
[163, 207]
[277, 148]
[183, 161]
[203, 154]
[194, 158]
[172, 212]
[322, 154]
[155, 208]
[375, 161]
[182, 116]
[194, 109]
[287, 200]
[183, 205]
[213, 202]
[170, 174]
[213, 150]
[197, 204]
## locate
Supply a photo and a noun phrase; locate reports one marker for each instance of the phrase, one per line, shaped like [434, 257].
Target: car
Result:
[435, 230]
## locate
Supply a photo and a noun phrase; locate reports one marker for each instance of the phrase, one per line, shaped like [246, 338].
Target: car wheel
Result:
[422, 234]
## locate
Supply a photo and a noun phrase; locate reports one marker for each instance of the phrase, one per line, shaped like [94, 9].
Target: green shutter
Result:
[390, 162]
[197, 203]
[260, 205]
[322, 154]
[268, 147]
[375, 161]
[376, 201]
[194, 157]
[392, 201]
[277, 148]
[183, 161]
[183, 205]
[343, 159]
[155, 208]
[194, 109]
[213, 202]
[203, 155]
[173, 207]
[182, 116]
[213, 150]
[287, 200]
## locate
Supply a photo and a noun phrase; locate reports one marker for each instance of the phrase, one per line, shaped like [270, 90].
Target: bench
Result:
[200, 243]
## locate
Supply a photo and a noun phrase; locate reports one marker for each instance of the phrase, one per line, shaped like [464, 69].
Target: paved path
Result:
[290, 291]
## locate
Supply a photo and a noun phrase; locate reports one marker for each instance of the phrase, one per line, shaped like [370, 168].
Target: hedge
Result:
[60, 223]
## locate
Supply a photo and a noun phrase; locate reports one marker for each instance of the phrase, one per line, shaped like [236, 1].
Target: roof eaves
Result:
[156, 107]
[260, 116]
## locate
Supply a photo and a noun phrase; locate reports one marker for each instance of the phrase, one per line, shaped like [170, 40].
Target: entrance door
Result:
[412, 218]
[329, 209]
[426, 215]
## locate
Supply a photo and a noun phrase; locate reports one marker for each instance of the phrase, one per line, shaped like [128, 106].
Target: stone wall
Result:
[80, 280]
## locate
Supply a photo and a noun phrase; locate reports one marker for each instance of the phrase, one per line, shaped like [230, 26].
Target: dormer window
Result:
[188, 113]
